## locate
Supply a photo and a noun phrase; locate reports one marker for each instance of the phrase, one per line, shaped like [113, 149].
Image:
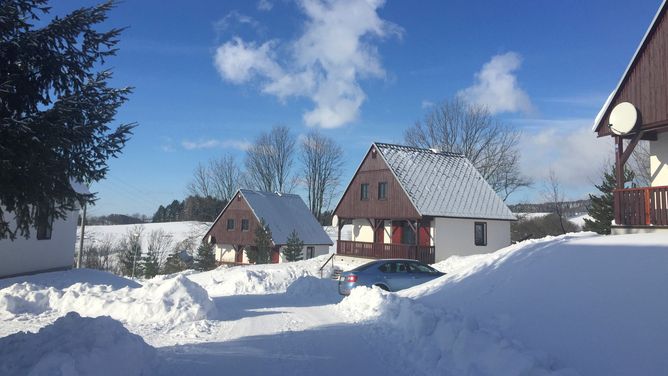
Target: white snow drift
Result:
[167, 302]
[258, 279]
[73, 346]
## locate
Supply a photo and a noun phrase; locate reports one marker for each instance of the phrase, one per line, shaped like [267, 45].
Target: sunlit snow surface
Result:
[575, 304]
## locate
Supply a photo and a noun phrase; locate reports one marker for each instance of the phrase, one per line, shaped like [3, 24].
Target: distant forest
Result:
[571, 208]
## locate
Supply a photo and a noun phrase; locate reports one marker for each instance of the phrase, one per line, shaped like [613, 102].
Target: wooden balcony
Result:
[646, 206]
[424, 254]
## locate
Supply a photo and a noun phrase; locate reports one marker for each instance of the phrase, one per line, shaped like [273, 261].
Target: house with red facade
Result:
[233, 231]
[407, 202]
[637, 110]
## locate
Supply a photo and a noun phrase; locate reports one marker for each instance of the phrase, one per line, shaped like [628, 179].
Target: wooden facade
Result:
[645, 83]
[372, 171]
[237, 210]
[408, 237]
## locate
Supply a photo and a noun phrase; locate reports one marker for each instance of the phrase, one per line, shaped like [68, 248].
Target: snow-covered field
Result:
[177, 232]
[571, 305]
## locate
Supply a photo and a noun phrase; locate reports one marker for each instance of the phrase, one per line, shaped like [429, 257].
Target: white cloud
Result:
[325, 64]
[496, 86]
[214, 143]
[427, 104]
[264, 5]
[238, 62]
[569, 147]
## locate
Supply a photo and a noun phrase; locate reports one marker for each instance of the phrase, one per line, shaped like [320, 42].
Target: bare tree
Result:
[322, 161]
[269, 160]
[459, 127]
[159, 244]
[201, 183]
[554, 194]
[639, 164]
[226, 177]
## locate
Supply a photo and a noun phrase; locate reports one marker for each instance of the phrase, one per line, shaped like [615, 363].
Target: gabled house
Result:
[233, 231]
[50, 246]
[421, 204]
[637, 110]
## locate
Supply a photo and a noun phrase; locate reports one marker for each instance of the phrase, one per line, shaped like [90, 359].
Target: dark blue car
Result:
[389, 275]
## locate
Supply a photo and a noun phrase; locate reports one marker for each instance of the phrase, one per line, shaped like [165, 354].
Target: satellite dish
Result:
[623, 118]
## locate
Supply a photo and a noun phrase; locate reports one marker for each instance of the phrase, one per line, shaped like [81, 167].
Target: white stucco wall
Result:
[658, 160]
[31, 255]
[362, 231]
[456, 237]
[318, 250]
[226, 253]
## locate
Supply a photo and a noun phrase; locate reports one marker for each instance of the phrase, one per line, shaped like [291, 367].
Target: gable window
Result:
[230, 224]
[480, 233]
[382, 190]
[44, 224]
[364, 191]
[244, 225]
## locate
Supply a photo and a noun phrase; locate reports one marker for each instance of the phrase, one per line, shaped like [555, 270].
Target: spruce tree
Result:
[173, 264]
[205, 258]
[261, 252]
[56, 110]
[293, 249]
[150, 265]
[602, 206]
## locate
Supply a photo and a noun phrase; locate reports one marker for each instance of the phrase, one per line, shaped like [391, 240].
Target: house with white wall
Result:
[233, 231]
[407, 202]
[49, 247]
[637, 111]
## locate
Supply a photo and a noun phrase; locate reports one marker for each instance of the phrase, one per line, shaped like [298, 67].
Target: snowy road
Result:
[276, 335]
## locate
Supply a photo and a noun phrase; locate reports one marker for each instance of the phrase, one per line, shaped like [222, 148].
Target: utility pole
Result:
[81, 242]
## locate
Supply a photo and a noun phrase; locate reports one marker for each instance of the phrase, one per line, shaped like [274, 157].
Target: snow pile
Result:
[167, 302]
[596, 303]
[443, 340]
[66, 278]
[312, 286]
[73, 345]
[258, 279]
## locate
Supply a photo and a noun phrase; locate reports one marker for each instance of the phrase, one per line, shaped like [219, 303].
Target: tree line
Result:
[277, 161]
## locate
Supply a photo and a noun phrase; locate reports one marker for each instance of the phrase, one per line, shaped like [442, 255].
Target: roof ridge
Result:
[418, 149]
[280, 194]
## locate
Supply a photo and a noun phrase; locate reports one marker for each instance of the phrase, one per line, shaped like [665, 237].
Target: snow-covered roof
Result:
[443, 184]
[284, 213]
[613, 94]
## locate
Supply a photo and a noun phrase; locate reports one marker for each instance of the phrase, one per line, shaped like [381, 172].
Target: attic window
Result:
[230, 224]
[244, 225]
[373, 153]
[364, 191]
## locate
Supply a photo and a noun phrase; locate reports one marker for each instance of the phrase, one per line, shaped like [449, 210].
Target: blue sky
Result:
[210, 75]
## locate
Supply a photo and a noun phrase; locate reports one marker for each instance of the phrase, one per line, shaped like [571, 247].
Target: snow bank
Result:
[73, 345]
[258, 279]
[66, 278]
[444, 340]
[312, 287]
[168, 302]
[596, 303]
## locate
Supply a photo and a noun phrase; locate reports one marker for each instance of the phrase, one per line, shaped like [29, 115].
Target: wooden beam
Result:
[631, 146]
[619, 164]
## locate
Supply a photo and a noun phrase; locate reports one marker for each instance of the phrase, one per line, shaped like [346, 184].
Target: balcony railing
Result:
[641, 206]
[424, 254]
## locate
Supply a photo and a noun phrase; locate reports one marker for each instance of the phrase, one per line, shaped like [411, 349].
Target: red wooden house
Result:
[421, 204]
[233, 231]
[638, 110]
